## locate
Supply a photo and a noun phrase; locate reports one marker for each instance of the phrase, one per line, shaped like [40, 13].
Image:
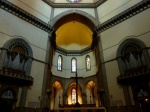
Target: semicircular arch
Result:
[78, 15]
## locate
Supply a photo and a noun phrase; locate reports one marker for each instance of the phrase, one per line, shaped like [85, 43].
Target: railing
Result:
[136, 74]
[15, 77]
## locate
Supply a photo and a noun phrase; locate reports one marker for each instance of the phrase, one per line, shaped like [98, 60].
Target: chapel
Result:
[74, 56]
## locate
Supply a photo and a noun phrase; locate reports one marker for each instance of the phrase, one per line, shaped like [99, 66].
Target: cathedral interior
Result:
[74, 56]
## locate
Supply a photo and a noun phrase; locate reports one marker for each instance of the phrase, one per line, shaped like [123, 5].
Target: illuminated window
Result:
[73, 92]
[88, 62]
[74, 1]
[73, 65]
[59, 63]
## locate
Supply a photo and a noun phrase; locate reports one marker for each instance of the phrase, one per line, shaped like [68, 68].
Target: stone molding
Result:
[74, 5]
[15, 10]
[74, 52]
[9, 7]
[132, 11]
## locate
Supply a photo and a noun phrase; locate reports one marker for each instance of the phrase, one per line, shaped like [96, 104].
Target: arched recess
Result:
[142, 97]
[8, 97]
[68, 16]
[131, 51]
[69, 93]
[22, 51]
[74, 15]
[56, 95]
[91, 92]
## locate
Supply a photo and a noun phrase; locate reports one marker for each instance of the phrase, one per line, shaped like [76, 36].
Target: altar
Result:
[81, 109]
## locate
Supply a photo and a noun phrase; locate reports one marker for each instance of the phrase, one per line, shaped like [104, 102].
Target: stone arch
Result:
[138, 45]
[69, 15]
[69, 92]
[88, 80]
[58, 80]
[56, 93]
[91, 92]
[9, 89]
[10, 44]
[74, 11]
[75, 83]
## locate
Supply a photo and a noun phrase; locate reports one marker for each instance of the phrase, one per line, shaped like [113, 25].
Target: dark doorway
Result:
[145, 105]
[143, 99]
[7, 105]
[7, 101]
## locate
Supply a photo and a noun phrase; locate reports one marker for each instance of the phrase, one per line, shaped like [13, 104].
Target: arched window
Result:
[59, 63]
[73, 95]
[88, 62]
[73, 65]
[8, 94]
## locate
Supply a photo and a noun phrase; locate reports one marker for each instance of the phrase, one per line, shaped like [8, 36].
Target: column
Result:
[84, 98]
[127, 98]
[99, 98]
[102, 78]
[2, 57]
[23, 99]
[47, 74]
[65, 99]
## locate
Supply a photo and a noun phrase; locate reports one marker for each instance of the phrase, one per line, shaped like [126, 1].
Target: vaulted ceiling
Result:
[73, 33]
[74, 30]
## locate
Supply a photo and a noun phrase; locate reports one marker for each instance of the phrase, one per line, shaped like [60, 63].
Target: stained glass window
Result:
[73, 92]
[88, 62]
[73, 65]
[59, 63]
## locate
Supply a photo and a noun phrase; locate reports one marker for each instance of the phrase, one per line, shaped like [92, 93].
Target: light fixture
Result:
[146, 100]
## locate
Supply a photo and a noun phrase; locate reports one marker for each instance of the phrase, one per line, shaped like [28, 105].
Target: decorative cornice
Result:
[13, 9]
[145, 4]
[73, 52]
[74, 5]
